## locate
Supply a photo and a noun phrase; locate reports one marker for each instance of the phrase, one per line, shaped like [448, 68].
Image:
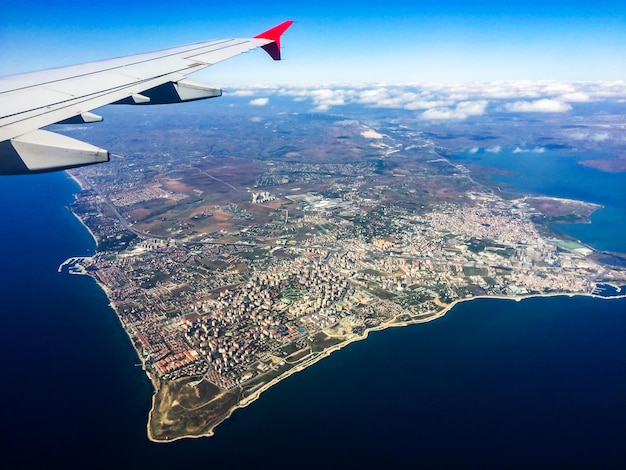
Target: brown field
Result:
[184, 407]
[177, 186]
[553, 207]
[139, 213]
[221, 216]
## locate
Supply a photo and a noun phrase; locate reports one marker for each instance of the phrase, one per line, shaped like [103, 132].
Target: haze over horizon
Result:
[399, 41]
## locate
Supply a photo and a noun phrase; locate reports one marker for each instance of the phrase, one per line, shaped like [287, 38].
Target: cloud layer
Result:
[437, 102]
[538, 106]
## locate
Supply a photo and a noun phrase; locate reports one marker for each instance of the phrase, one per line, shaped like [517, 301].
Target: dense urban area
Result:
[231, 271]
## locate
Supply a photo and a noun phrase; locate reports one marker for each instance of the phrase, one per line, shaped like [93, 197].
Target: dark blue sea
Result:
[494, 384]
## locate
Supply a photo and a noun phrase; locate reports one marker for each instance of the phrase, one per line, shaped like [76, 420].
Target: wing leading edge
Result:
[34, 100]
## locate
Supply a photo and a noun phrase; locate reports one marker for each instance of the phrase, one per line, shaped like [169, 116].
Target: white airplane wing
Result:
[34, 100]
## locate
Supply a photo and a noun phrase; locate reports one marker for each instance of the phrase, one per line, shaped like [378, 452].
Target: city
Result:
[228, 284]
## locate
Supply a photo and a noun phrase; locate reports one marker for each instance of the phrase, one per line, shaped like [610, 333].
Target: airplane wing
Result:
[34, 100]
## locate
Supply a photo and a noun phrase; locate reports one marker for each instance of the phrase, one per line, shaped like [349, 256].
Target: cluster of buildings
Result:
[214, 310]
[143, 194]
[272, 309]
[260, 198]
[185, 325]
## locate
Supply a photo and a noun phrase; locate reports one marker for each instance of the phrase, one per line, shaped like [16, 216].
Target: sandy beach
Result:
[83, 187]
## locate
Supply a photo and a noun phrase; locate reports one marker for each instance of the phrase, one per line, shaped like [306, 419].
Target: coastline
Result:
[81, 184]
[93, 235]
[300, 367]
[312, 358]
[323, 354]
[82, 187]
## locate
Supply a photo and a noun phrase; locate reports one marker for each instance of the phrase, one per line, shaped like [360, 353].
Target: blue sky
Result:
[335, 41]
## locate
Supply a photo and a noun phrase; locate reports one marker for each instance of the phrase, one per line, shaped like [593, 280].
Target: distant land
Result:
[239, 247]
[607, 164]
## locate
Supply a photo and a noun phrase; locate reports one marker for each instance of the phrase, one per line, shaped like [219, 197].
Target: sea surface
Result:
[494, 384]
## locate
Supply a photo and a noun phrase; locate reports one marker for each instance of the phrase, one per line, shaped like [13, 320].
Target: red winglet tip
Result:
[274, 34]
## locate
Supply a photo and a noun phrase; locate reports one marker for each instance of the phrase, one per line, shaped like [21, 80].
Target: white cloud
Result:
[586, 135]
[440, 101]
[576, 97]
[243, 93]
[538, 106]
[373, 96]
[463, 110]
[557, 88]
[440, 114]
[421, 104]
[600, 136]
[535, 150]
[326, 98]
[259, 102]
[507, 90]
[472, 108]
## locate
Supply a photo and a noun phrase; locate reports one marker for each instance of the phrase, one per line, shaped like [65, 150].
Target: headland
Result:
[230, 274]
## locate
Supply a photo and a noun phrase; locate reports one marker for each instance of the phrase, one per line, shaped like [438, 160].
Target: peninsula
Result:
[232, 270]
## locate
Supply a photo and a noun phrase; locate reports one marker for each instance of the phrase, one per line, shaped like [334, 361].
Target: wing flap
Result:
[175, 92]
[43, 151]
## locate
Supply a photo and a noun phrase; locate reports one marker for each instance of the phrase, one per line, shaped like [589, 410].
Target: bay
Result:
[557, 174]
